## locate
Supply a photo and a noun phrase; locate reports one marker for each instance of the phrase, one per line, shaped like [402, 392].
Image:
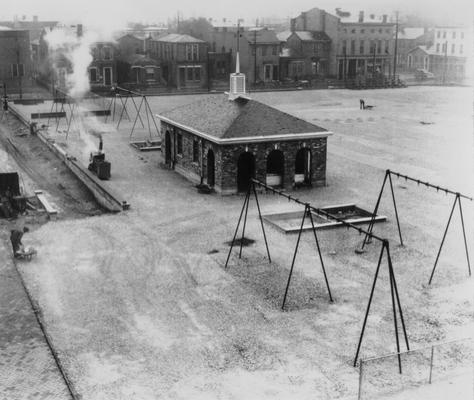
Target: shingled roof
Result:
[220, 118]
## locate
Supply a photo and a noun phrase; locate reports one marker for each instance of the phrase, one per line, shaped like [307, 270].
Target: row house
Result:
[353, 47]
[15, 60]
[135, 68]
[448, 58]
[103, 68]
[183, 60]
[259, 50]
[365, 48]
[408, 39]
[306, 55]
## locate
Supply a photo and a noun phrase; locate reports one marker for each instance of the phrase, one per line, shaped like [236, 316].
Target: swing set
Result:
[308, 213]
[457, 201]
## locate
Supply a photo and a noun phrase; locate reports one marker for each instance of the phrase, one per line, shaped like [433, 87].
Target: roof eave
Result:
[247, 139]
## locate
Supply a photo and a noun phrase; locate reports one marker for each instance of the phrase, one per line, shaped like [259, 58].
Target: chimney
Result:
[292, 25]
[361, 16]
[305, 20]
[79, 30]
[323, 20]
[384, 18]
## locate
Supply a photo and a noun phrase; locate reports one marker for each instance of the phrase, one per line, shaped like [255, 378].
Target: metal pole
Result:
[359, 396]
[370, 301]
[147, 117]
[152, 117]
[444, 237]
[431, 364]
[464, 234]
[261, 222]
[395, 50]
[130, 94]
[294, 257]
[237, 227]
[245, 223]
[319, 252]
[395, 323]
[372, 220]
[395, 206]
[138, 114]
[397, 297]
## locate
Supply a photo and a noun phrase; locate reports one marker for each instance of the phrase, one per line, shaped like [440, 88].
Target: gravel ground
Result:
[138, 304]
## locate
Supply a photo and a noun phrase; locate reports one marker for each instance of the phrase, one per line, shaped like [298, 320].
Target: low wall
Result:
[104, 195]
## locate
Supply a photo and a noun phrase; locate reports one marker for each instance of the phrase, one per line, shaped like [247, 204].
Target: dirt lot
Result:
[140, 306]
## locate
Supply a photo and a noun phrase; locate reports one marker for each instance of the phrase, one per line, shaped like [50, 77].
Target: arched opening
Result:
[275, 168]
[167, 148]
[303, 167]
[245, 171]
[210, 168]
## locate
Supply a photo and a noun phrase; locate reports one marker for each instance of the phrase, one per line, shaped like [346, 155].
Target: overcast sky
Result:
[116, 12]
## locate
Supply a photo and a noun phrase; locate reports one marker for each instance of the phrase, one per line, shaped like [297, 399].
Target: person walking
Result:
[362, 104]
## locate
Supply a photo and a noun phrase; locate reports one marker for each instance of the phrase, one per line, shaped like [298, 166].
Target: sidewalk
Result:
[27, 367]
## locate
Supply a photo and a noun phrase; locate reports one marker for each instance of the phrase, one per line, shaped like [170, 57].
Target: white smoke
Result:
[65, 44]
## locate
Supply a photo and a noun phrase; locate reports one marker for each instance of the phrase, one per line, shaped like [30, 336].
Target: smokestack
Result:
[79, 30]
[384, 18]
[323, 20]
[293, 25]
[101, 145]
[361, 16]
[305, 20]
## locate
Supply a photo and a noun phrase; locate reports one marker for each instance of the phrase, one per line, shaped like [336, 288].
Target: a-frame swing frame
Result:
[385, 249]
[457, 201]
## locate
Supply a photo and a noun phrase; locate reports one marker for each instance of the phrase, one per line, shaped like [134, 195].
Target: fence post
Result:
[360, 378]
[431, 363]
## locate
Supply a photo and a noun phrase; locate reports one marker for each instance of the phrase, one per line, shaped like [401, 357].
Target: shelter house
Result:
[225, 140]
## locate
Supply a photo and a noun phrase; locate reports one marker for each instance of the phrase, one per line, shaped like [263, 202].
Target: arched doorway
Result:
[275, 168]
[245, 171]
[303, 167]
[210, 168]
[167, 148]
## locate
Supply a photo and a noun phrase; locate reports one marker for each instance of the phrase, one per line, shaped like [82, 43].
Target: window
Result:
[437, 47]
[195, 151]
[150, 73]
[264, 50]
[379, 47]
[190, 74]
[353, 31]
[444, 34]
[387, 44]
[18, 70]
[460, 49]
[275, 50]
[453, 48]
[353, 45]
[344, 46]
[445, 47]
[192, 52]
[372, 46]
[95, 53]
[197, 74]
[93, 75]
[252, 49]
[107, 53]
[179, 145]
[454, 35]
[361, 47]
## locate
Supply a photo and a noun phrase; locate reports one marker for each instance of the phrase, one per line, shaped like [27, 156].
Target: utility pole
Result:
[395, 50]
[445, 61]
[255, 58]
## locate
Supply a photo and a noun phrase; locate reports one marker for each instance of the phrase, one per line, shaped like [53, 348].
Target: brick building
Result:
[15, 60]
[410, 38]
[103, 68]
[224, 140]
[259, 50]
[307, 56]
[183, 60]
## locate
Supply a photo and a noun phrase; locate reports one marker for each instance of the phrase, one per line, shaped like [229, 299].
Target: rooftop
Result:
[312, 36]
[221, 118]
[179, 38]
[411, 33]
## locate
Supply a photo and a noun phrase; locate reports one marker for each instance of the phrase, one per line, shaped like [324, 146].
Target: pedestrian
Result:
[362, 104]
[15, 238]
